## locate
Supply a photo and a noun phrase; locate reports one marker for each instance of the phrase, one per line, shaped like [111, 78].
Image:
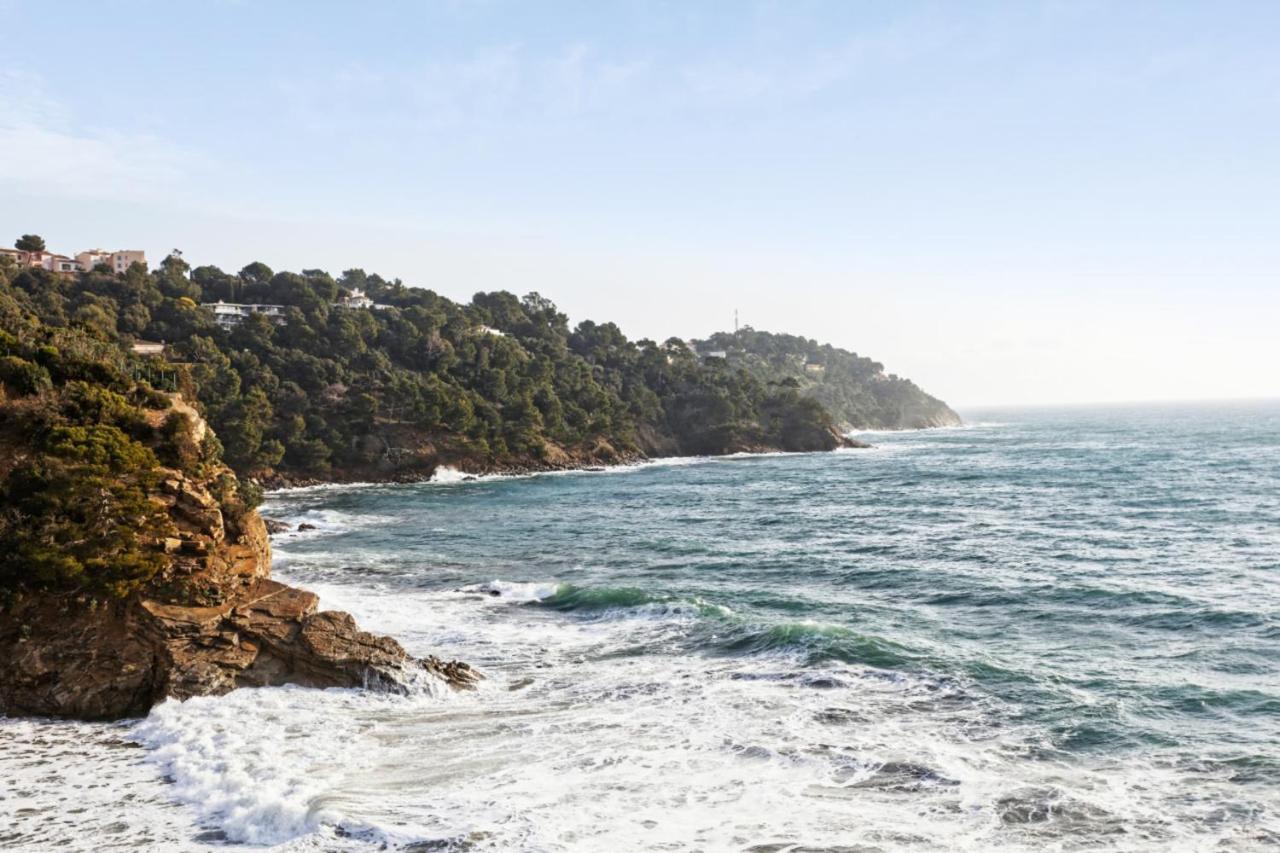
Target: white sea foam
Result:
[594, 751]
[514, 592]
[324, 489]
[636, 727]
[570, 745]
[448, 474]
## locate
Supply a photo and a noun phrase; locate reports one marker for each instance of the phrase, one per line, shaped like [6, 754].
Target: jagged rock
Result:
[196, 498]
[196, 547]
[304, 527]
[274, 526]
[211, 622]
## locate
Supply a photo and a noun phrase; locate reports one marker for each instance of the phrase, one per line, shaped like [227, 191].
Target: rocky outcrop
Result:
[211, 622]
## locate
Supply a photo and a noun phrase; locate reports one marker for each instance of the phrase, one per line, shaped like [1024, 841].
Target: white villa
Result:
[228, 315]
[357, 299]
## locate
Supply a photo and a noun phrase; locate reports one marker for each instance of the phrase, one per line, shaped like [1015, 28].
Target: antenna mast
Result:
[735, 321]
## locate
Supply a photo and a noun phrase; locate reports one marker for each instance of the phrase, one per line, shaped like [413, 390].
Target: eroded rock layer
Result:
[211, 622]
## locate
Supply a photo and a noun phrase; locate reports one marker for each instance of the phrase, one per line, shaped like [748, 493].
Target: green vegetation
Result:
[331, 391]
[78, 515]
[854, 389]
[82, 443]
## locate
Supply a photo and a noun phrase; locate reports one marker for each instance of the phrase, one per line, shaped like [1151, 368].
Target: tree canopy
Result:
[502, 380]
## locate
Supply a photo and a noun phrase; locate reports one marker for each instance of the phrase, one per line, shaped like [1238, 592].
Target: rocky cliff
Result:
[209, 621]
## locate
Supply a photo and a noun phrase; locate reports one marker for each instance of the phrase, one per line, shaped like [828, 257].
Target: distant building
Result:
[814, 367]
[357, 299]
[148, 348]
[716, 353]
[60, 264]
[490, 330]
[117, 262]
[36, 260]
[228, 315]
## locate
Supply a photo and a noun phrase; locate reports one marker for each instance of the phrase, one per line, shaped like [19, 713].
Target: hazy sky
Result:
[1007, 202]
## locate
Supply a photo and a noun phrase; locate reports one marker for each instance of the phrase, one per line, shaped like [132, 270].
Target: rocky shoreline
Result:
[212, 621]
[470, 466]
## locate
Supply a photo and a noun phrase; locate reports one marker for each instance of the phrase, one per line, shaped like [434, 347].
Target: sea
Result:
[1047, 630]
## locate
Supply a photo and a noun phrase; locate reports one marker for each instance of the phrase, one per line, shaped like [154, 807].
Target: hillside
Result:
[133, 565]
[358, 377]
[854, 389]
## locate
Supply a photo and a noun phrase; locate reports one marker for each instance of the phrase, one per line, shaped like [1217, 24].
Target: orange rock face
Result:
[211, 622]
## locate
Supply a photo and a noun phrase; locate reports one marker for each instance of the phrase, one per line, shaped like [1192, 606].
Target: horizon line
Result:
[1152, 401]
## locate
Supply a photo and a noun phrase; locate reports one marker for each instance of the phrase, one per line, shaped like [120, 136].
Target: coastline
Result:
[283, 484]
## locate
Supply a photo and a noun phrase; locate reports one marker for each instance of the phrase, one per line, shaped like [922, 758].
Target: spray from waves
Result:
[278, 779]
[253, 789]
[447, 474]
[325, 522]
[514, 592]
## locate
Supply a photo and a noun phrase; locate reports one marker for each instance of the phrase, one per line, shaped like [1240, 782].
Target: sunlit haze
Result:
[1007, 203]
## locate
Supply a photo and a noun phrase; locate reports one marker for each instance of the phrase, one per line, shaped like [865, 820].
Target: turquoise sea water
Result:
[1050, 630]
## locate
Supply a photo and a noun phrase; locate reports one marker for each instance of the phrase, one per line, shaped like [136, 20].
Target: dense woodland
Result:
[499, 382]
[853, 388]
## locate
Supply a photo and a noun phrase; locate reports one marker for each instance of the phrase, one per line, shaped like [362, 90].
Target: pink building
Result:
[117, 262]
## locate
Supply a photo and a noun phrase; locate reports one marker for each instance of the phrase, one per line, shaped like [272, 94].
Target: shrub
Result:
[178, 447]
[85, 403]
[236, 497]
[78, 517]
[22, 377]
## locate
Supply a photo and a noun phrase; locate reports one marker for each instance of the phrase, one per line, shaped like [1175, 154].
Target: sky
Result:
[1008, 202]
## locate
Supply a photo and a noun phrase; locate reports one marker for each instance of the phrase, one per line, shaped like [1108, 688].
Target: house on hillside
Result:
[148, 348]
[118, 261]
[228, 315]
[356, 299]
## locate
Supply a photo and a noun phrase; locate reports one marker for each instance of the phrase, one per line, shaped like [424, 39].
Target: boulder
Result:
[274, 526]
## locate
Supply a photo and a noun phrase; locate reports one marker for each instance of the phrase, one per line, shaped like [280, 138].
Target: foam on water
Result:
[446, 474]
[1051, 636]
[519, 593]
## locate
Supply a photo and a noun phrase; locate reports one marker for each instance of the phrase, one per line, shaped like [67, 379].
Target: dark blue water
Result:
[1053, 629]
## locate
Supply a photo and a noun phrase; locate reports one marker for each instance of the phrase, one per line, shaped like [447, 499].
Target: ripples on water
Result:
[1056, 632]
